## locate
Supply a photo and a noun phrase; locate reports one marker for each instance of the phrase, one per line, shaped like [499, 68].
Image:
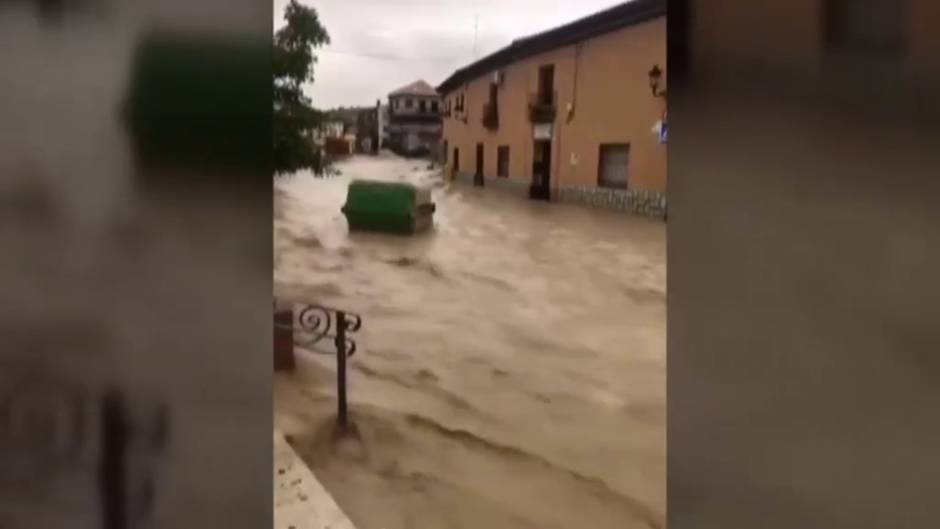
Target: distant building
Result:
[368, 129]
[414, 125]
[349, 116]
[343, 124]
[383, 126]
[575, 113]
[333, 129]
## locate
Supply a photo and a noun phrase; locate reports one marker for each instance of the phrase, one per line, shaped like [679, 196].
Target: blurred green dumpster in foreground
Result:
[389, 207]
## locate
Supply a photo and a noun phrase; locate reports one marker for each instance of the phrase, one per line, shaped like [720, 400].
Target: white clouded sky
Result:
[380, 45]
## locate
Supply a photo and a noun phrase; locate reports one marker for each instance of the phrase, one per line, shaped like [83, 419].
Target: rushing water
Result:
[511, 366]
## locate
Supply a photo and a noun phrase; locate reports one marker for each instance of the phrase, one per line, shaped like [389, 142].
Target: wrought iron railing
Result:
[541, 108]
[326, 330]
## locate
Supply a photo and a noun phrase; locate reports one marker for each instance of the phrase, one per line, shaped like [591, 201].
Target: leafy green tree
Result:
[294, 116]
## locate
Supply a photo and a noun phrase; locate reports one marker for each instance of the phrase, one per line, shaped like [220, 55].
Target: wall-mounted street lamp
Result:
[656, 75]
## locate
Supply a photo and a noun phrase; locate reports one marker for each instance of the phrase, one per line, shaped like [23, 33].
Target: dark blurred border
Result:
[803, 375]
[677, 46]
[136, 277]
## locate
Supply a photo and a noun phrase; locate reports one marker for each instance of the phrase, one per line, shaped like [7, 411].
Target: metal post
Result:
[283, 339]
[341, 369]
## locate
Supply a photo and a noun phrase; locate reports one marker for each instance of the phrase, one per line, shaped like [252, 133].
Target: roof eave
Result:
[572, 33]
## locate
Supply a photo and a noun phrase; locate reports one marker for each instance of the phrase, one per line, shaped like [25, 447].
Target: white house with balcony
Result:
[414, 119]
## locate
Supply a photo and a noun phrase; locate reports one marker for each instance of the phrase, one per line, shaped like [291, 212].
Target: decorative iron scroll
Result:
[319, 327]
[316, 325]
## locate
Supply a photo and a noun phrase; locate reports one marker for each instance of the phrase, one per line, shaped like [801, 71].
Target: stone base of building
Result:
[632, 201]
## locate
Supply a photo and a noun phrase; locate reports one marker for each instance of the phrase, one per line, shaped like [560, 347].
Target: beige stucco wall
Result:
[612, 103]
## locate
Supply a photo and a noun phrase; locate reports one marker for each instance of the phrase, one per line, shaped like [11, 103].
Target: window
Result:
[422, 106]
[613, 165]
[434, 107]
[502, 161]
[409, 103]
[546, 84]
[456, 159]
[865, 26]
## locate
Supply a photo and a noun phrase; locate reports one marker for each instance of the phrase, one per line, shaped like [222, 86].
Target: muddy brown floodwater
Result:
[511, 367]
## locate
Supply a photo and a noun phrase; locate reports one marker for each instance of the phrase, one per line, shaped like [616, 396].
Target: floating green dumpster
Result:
[390, 207]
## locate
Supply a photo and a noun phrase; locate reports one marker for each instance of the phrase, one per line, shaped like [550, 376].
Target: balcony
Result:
[542, 108]
[426, 118]
[491, 116]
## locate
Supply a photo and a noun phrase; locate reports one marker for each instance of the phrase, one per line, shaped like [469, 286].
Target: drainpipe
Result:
[574, 90]
[569, 115]
[557, 162]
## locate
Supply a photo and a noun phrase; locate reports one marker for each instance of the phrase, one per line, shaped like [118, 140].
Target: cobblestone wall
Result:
[634, 201]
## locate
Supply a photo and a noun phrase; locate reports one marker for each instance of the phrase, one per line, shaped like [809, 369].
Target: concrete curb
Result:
[300, 501]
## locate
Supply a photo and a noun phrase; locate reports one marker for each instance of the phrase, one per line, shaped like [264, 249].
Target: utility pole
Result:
[476, 21]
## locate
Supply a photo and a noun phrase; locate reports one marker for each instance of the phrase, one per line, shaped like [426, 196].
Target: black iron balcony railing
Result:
[414, 118]
[491, 116]
[542, 108]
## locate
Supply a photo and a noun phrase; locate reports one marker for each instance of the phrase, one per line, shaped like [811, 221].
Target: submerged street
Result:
[511, 366]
